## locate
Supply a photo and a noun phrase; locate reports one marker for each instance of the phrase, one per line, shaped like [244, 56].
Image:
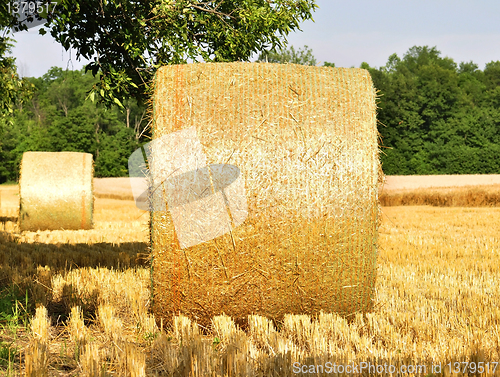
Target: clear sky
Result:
[347, 33]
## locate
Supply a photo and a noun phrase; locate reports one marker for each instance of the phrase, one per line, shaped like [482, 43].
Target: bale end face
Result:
[56, 191]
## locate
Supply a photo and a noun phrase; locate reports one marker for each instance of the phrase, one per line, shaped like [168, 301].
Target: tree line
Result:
[57, 116]
[434, 116]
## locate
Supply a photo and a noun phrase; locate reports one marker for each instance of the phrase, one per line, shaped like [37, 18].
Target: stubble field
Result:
[86, 312]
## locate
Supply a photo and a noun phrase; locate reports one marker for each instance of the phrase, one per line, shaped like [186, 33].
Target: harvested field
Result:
[397, 190]
[436, 302]
[412, 182]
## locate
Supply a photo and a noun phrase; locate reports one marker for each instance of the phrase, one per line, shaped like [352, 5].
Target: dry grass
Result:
[436, 301]
[37, 351]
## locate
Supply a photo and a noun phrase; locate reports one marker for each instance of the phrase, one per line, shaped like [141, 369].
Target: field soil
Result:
[408, 182]
[114, 188]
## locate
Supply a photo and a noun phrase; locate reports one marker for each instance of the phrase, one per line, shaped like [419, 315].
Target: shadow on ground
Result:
[28, 268]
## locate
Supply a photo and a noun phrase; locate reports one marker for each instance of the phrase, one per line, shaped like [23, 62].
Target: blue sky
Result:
[347, 33]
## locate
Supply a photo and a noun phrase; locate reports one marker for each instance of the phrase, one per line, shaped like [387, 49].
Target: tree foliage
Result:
[58, 118]
[303, 56]
[14, 92]
[437, 117]
[128, 40]
[13, 89]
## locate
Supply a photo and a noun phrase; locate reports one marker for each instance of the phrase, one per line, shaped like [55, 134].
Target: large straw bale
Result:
[56, 191]
[305, 142]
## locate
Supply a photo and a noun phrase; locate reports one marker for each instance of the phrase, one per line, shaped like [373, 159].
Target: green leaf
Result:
[117, 101]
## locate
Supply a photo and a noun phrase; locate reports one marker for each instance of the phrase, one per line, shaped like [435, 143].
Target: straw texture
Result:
[305, 142]
[56, 191]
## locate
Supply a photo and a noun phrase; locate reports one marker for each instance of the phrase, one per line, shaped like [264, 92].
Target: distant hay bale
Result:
[299, 223]
[56, 191]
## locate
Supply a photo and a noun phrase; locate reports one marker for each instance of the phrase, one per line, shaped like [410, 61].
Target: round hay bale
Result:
[305, 142]
[56, 191]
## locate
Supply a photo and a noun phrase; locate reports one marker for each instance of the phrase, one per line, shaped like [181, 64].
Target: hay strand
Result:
[305, 142]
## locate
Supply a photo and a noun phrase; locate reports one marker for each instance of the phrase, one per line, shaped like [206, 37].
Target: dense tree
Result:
[57, 118]
[492, 75]
[13, 89]
[14, 92]
[303, 56]
[128, 40]
[435, 117]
